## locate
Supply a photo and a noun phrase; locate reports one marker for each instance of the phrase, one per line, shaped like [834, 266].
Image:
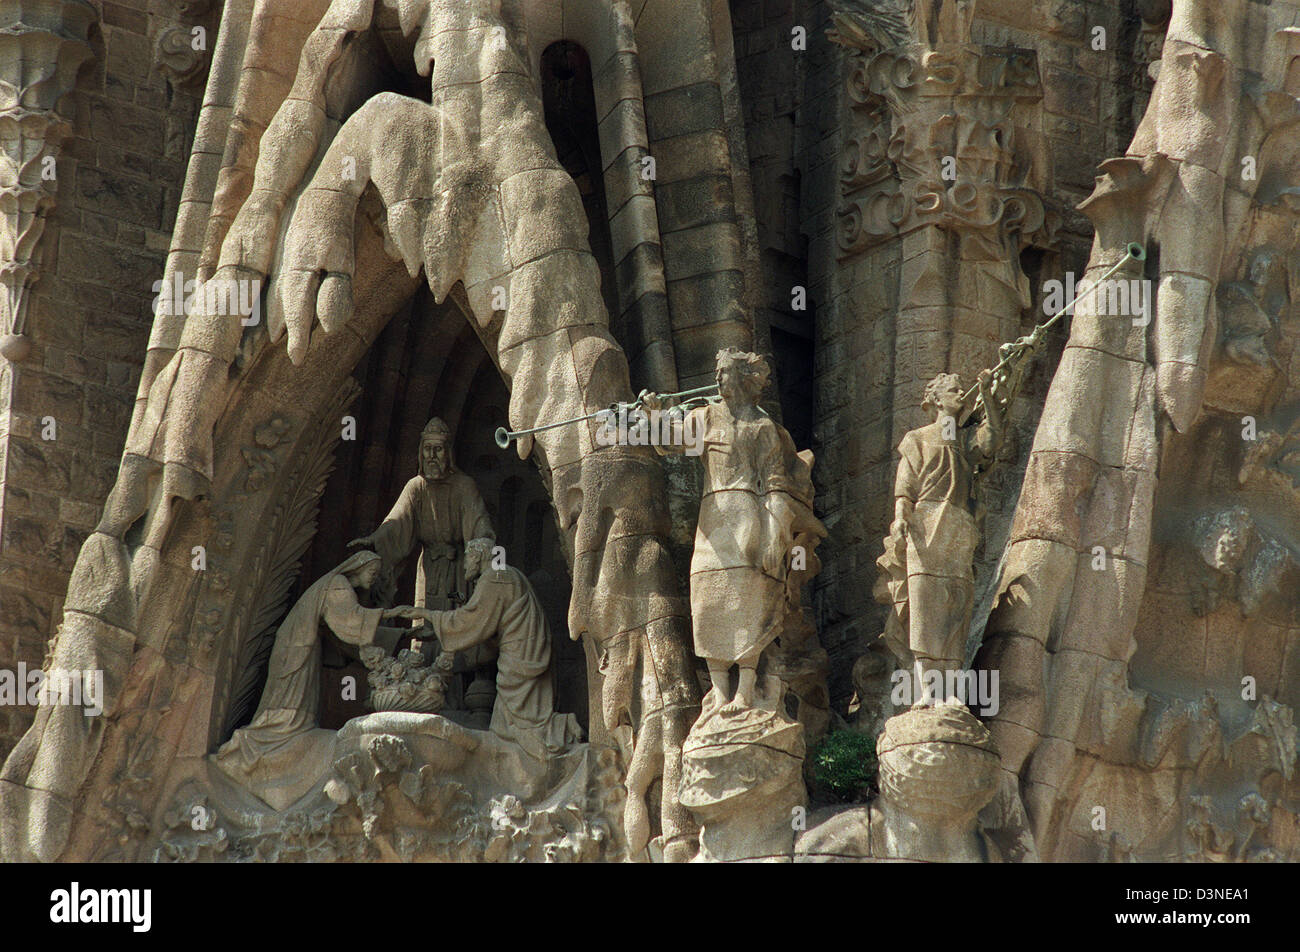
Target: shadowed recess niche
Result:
[429, 362]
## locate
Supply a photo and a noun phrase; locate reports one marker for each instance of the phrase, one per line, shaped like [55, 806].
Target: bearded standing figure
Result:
[439, 510]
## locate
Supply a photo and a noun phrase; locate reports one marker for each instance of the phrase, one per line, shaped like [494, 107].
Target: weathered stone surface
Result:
[867, 195]
[742, 776]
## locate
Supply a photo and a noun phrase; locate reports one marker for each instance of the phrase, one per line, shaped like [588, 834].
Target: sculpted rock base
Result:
[938, 770]
[742, 777]
[408, 787]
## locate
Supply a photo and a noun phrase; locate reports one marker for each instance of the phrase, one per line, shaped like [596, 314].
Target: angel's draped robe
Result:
[439, 516]
[282, 754]
[930, 578]
[739, 567]
[504, 610]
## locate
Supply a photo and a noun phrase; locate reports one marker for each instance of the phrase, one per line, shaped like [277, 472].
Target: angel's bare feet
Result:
[744, 699]
[735, 706]
[720, 679]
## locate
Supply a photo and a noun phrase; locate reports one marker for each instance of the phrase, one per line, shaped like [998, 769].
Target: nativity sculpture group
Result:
[282, 753]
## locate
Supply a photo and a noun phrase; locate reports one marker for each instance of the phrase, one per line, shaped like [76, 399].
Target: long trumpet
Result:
[1132, 252]
[504, 436]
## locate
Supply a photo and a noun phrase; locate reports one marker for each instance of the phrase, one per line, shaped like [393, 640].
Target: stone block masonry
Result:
[64, 410]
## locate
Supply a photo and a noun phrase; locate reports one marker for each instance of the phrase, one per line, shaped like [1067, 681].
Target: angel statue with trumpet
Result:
[756, 533]
[927, 570]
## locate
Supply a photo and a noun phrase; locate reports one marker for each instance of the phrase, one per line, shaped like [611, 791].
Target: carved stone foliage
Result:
[403, 683]
[42, 45]
[937, 136]
[293, 523]
[181, 39]
[1218, 823]
[943, 167]
[220, 597]
[410, 788]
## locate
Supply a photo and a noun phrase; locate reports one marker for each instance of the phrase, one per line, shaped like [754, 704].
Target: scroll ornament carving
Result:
[42, 45]
[932, 142]
[180, 46]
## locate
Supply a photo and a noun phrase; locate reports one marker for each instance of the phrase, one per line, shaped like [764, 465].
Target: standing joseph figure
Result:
[439, 510]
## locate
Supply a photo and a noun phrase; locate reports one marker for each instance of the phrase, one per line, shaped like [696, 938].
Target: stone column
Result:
[43, 44]
[942, 158]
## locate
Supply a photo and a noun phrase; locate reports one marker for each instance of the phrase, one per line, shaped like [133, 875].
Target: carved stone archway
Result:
[469, 190]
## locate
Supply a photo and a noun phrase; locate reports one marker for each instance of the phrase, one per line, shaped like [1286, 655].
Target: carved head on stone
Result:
[1224, 539]
[435, 450]
[362, 569]
[741, 376]
[478, 556]
[944, 396]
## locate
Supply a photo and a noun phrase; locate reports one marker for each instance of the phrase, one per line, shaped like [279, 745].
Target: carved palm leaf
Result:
[869, 24]
[279, 559]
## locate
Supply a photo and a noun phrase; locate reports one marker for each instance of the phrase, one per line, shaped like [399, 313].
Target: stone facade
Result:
[118, 186]
[515, 213]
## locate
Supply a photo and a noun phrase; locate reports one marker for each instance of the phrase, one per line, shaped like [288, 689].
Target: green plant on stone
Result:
[844, 765]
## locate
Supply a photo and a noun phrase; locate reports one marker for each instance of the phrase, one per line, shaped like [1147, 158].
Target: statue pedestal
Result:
[938, 770]
[742, 777]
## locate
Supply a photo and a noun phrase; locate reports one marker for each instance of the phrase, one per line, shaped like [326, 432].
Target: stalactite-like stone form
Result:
[1136, 397]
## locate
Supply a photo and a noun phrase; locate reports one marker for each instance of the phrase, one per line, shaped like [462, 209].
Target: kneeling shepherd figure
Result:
[281, 754]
